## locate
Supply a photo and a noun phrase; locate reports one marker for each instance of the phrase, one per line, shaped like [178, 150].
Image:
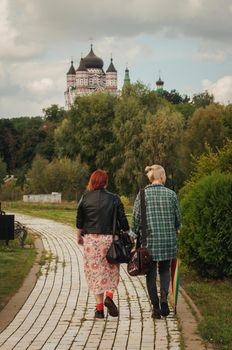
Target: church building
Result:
[90, 77]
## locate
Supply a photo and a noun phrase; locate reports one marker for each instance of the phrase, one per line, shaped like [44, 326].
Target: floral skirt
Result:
[100, 275]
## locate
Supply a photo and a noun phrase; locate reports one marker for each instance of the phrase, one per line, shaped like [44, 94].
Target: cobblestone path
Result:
[58, 314]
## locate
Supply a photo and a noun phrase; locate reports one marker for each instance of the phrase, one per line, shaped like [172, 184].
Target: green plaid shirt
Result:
[162, 221]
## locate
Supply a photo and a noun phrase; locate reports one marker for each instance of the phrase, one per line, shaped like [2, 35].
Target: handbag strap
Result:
[143, 217]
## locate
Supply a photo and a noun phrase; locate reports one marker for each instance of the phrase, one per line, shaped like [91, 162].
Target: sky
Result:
[187, 42]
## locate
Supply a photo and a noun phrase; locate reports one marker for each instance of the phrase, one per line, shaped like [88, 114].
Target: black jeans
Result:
[164, 272]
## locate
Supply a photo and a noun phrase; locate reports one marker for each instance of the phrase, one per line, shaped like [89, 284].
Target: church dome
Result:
[82, 67]
[159, 82]
[111, 68]
[92, 61]
[71, 70]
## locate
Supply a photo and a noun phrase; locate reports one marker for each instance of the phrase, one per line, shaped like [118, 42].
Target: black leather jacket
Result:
[96, 210]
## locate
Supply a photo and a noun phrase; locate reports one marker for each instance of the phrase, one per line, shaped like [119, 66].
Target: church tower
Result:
[111, 78]
[159, 85]
[126, 78]
[81, 78]
[71, 86]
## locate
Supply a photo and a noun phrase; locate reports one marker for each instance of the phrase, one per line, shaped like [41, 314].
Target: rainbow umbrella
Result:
[175, 277]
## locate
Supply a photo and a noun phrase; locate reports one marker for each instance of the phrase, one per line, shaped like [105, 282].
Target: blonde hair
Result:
[155, 172]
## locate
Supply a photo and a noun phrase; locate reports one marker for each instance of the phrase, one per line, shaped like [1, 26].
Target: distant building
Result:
[90, 77]
[54, 197]
[159, 85]
[126, 78]
[9, 178]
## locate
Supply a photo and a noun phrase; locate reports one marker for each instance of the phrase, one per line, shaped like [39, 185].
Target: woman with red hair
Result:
[94, 224]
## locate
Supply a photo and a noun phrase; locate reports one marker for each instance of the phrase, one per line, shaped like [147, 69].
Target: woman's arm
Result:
[121, 216]
[80, 221]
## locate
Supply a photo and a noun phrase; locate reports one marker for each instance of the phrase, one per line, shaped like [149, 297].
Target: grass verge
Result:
[64, 212]
[15, 264]
[213, 299]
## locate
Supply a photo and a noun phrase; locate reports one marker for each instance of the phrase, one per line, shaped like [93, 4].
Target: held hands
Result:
[80, 240]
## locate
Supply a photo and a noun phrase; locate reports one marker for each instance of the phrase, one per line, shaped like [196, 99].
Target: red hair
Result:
[98, 179]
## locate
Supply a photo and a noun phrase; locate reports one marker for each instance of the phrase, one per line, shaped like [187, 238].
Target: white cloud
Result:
[42, 86]
[221, 89]
[219, 56]
[78, 19]
[10, 37]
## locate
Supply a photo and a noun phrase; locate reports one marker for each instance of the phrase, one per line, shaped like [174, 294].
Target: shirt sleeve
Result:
[177, 213]
[80, 214]
[136, 216]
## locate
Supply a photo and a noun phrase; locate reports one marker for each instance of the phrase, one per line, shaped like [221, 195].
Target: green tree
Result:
[133, 108]
[8, 143]
[208, 163]
[87, 131]
[54, 113]
[227, 120]
[205, 127]
[202, 99]
[3, 171]
[36, 182]
[174, 97]
[60, 175]
[186, 109]
[161, 142]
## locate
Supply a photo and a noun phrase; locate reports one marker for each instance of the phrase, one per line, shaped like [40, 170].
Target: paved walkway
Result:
[58, 314]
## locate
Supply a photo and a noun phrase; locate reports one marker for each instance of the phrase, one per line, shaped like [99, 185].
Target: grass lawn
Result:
[64, 212]
[213, 298]
[15, 263]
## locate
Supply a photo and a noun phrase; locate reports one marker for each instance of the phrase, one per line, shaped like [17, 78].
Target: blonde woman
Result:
[162, 226]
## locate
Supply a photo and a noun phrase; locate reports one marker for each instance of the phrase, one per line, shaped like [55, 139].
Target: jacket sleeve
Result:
[80, 214]
[121, 216]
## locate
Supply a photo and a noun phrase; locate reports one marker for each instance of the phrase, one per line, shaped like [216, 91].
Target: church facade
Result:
[90, 77]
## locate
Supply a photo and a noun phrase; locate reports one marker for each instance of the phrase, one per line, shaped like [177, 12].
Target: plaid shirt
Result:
[162, 221]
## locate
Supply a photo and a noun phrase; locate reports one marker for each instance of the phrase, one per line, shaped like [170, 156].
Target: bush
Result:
[60, 175]
[125, 201]
[9, 191]
[208, 163]
[206, 237]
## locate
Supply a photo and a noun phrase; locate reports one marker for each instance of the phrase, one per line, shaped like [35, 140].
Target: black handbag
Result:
[141, 261]
[119, 251]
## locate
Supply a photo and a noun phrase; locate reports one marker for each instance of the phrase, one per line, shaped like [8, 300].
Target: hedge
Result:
[205, 241]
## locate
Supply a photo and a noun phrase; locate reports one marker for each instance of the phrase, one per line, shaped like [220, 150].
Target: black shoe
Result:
[99, 313]
[164, 303]
[156, 314]
[112, 308]
[164, 309]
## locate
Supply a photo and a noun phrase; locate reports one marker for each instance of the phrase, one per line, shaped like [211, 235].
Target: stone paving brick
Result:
[59, 313]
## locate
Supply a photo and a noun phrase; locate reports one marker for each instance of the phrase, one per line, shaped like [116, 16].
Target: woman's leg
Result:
[109, 303]
[99, 312]
[164, 271]
[152, 289]
[99, 298]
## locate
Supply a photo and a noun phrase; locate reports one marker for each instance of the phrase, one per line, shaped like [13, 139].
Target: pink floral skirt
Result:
[100, 275]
